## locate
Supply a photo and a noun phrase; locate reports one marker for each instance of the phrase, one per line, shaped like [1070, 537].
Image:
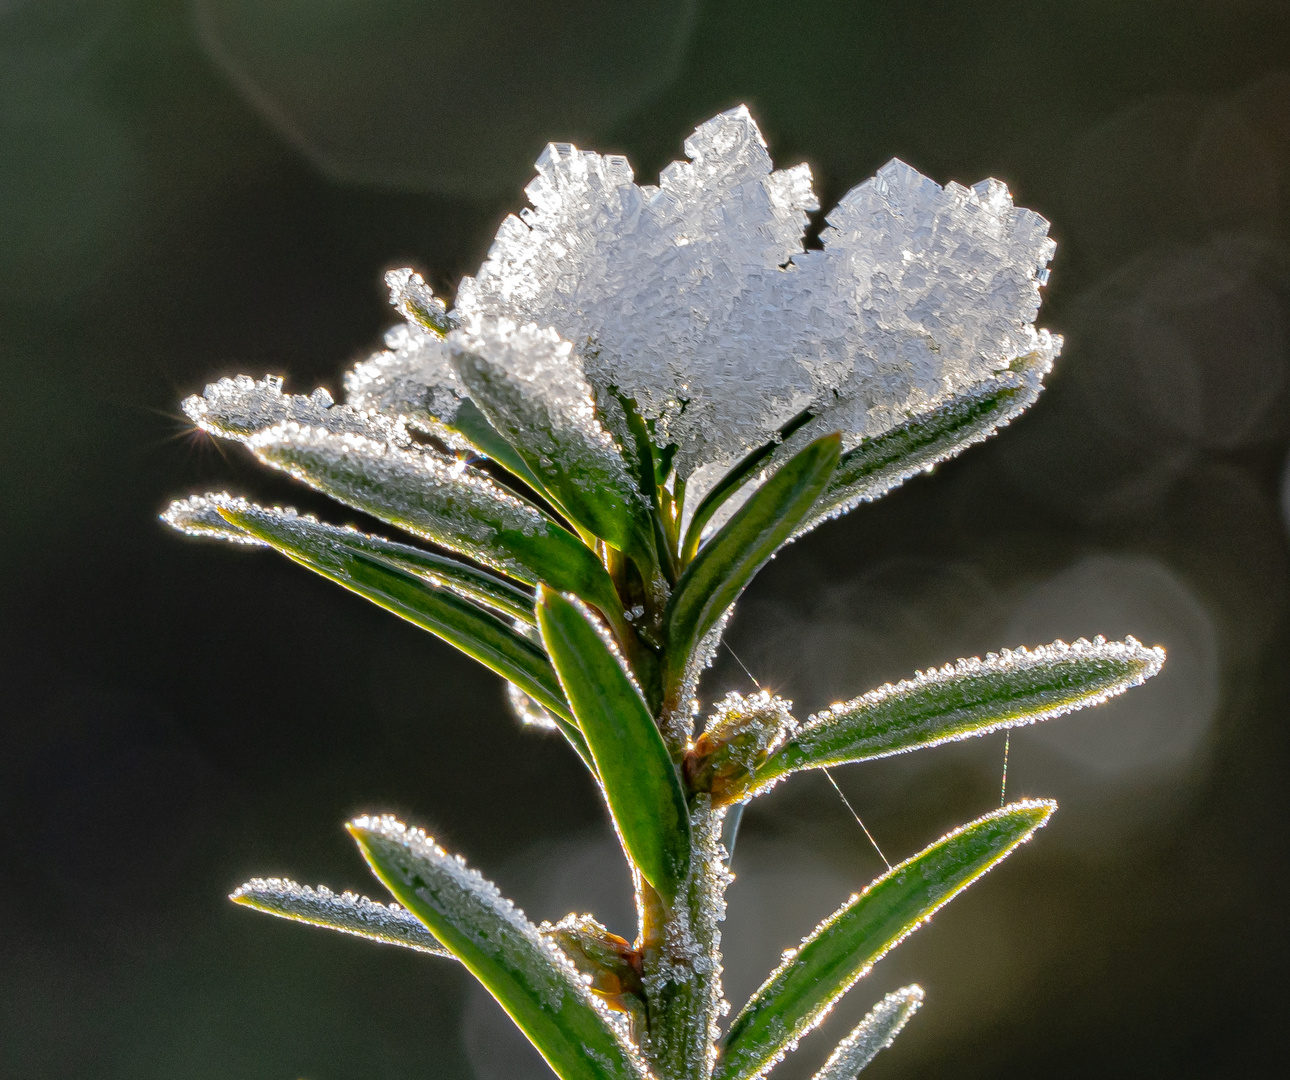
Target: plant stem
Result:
[681, 949]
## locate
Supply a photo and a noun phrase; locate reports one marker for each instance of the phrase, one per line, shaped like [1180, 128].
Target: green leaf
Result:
[974, 697]
[640, 782]
[457, 621]
[842, 949]
[485, 438]
[444, 501]
[731, 482]
[532, 980]
[488, 590]
[347, 913]
[644, 462]
[728, 561]
[540, 402]
[886, 461]
[873, 1034]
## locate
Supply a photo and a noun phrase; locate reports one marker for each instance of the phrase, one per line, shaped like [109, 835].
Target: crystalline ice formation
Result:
[667, 292]
[241, 408]
[198, 515]
[697, 299]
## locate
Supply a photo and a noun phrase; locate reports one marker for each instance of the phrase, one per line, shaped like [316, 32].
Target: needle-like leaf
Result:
[842, 949]
[200, 516]
[734, 479]
[971, 697]
[640, 782]
[457, 621]
[728, 561]
[532, 980]
[886, 461]
[444, 501]
[874, 1033]
[485, 438]
[347, 912]
[527, 388]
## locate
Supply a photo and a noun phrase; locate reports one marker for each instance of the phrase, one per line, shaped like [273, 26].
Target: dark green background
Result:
[185, 195]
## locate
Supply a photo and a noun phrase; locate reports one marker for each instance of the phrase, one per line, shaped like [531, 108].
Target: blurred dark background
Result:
[189, 190]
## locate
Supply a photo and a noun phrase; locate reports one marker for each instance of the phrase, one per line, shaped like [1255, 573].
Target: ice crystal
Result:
[540, 400]
[874, 1033]
[687, 965]
[347, 912]
[413, 381]
[527, 711]
[241, 408]
[198, 515]
[696, 299]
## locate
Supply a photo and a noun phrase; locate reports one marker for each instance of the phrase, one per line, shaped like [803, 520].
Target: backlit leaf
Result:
[843, 948]
[532, 980]
[971, 697]
[640, 782]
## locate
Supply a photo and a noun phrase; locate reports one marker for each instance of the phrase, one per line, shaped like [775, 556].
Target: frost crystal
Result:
[241, 407]
[411, 380]
[435, 496]
[1076, 676]
[198, 515]
[527, 711]
[539, 399]
[697, 299]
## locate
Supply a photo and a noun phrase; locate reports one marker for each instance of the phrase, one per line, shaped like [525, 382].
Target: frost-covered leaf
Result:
[370, 464]
[843, 948]
[874, 1033]
[733, 479]
[532, 980]
[967, 698]
[725, 565]
[472, 425]
[461, 623]
[640, 782]
[417, 303]
[696, 299]
[885, 461]
[528, 712]
[241, 407]
[200, 516]
[410, 381]
[530, 390]
[387, 924]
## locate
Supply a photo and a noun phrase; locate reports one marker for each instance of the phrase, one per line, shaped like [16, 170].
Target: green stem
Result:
[681, 950]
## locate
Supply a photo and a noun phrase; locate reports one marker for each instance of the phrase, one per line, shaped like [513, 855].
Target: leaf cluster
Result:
[567, 560]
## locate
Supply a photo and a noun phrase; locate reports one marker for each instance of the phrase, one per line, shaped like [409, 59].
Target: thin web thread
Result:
[847, 804]
[1003, 786]
[845, 801]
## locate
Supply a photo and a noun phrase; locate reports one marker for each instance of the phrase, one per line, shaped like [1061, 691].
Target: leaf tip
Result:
[1036, 811]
